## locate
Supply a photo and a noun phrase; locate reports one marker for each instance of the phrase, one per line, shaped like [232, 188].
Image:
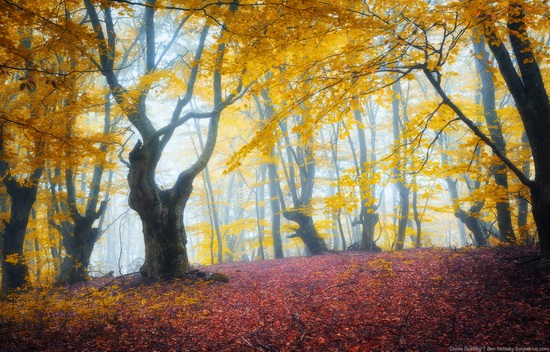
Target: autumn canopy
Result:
[150, 135]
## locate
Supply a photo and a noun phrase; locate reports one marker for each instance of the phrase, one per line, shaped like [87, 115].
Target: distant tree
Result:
[301, 165]
[472, 217]
[398, 171]
[79, 214]
[266, 112]
[487, 90]
[366, 169]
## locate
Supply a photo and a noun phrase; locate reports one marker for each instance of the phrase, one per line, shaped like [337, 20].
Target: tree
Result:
[471, 217]
[38, 105]
[398, 170]
[160, 210]
[78, 234]
[366, 171]
[531, 100]
[212, 206]
[504, 216]
[266, 112]
[301, 159]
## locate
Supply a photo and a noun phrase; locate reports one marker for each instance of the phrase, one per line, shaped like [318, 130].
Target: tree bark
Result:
[531, 98]
[523, 204]
[398, 172]
[161, 214]
[266, 112]
[504, 216]
[161, 211]
[15, 272]
[306, 232]
[79, 246]
[80, 237]
[275, 209]
[470, 218]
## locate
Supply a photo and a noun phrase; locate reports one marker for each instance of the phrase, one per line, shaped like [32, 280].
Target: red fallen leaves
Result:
[427, 300]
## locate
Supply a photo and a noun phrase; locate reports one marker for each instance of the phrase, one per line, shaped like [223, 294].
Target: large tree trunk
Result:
[15, 272]
[540, 203]
[368, 222]
[161, 214]
[161, 211]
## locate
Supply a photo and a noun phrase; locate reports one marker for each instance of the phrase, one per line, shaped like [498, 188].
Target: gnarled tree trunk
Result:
[161, 214]
[161, 211]
[302, 157]
[368, 216]
[306, 232]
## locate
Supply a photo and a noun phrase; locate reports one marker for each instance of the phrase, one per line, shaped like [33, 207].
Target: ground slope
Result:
[415, 300]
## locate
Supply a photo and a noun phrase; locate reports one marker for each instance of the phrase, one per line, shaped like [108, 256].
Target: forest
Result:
[342, 153]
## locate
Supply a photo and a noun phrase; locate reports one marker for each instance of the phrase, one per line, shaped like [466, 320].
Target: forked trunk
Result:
[470, 218]
[79, 245]
[473, 223]
[368, 222]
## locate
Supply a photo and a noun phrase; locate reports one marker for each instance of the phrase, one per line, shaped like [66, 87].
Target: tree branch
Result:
[477, 131]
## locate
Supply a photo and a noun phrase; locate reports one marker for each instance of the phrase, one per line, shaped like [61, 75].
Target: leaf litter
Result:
[418, 299]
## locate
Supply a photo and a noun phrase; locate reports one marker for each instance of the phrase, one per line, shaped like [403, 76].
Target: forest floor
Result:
[414, 300]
